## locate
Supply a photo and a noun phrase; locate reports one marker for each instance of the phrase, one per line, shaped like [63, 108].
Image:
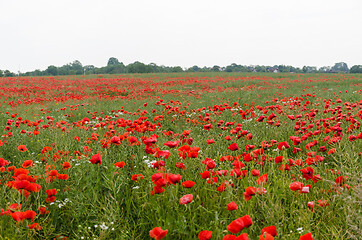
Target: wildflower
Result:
[231, 206]
[22, 148]
[157, 233]
[186, 199]
[188, 184]
[27, 163]
[96, 159]
[233, 147]
[205, 235]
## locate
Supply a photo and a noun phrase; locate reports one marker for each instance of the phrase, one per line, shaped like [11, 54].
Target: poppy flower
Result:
[180, 165]
[266, 236]
[272, 230]
[186, 199]
[231, 206]
[27, 163]
[296, 186]
[171, 144]
[233, 147]
[205, 235]
[43, 210]
[96, 159]
[15, 207]
[188, 184]
[3, 162]
[307, 173]
[35, 226]
[255, 172]
[163, 154]
[63, 176]
[157, 233]
[262, 179]
[311, 206]
[135, 177]
[207, 127]
[278, 159]
[243, 236]
[239, 224]
[174, 178]
[210, 141]
[119, 164]
[66, 165]
[307, 236]
[323, 203]
[283, 145]
[22, 148]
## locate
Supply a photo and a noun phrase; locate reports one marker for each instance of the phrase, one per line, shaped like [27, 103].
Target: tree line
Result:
[115, 67]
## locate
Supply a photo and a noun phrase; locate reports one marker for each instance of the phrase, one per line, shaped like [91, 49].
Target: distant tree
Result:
[325, 69]
[177, 69]
[52, 70]
[113, 61]
[1, 73]
[340, 67]
[215, 68]
[77, 68]
[356, 69]
[7, 73]
[194, 68]
[88, 69]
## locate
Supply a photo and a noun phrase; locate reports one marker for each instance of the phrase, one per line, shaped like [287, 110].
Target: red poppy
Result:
[188, 184]
[35, 226]
[231, 206]
[27, 163]
[210, 141]
[66, 165]
[174, 178]
[272, 230]
[255, 172]
[207, 127]
[296, 186]
[278, 159]
[283, 145]
[307, 173]
[262, 179]
[307, 236]
[96, 159]
[234, 147]
[43, 210]
[171, 144]
[205, 235]
[311, 206]
[157, 233]
[135, 177]
[186, 199]
[22, 148]
[180, 165]
[266, 236]
[119, 164]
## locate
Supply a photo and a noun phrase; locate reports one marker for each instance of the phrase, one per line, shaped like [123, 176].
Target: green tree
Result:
[1, 73]
[7, 73]
[356, 69]
[340, 67]
[113, 61]
[77, 67]
[52, 70]
[215, 68]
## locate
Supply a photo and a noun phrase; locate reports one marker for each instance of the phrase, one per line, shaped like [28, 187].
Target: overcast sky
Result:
[39, 33]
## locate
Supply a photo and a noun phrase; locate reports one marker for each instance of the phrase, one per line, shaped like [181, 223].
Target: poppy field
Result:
[181, 156]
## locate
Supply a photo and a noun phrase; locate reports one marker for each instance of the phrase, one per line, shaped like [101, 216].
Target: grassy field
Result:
[130, 156]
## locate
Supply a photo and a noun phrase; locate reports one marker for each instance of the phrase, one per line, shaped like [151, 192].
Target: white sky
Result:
[38, 33]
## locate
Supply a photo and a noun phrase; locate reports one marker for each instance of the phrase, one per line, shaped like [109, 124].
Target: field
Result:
[181, 156]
